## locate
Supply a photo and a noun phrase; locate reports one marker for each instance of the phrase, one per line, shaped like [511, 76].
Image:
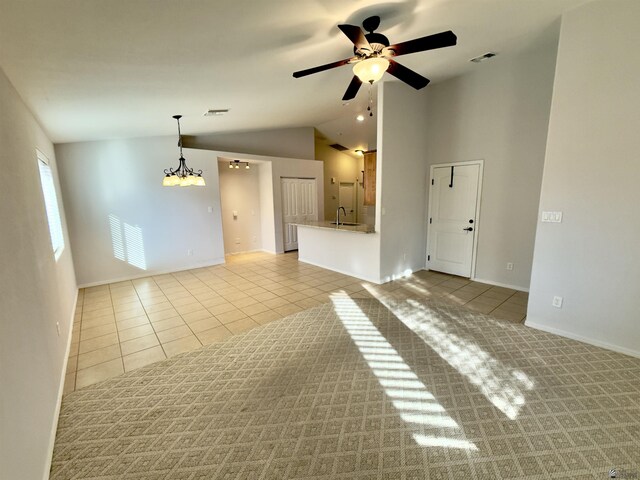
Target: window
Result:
[51, 205]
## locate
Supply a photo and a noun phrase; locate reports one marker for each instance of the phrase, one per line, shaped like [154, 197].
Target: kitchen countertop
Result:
[360, 228]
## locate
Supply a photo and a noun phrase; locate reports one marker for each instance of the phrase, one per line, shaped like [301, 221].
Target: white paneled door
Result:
[453, 209]
[299, 204]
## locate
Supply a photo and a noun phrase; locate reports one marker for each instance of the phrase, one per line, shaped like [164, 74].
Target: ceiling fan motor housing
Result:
[377, 42]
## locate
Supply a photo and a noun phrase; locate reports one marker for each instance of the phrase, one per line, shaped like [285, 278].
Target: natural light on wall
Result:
[416, 406]
[51, 204]
[127, 242]
[503, 386]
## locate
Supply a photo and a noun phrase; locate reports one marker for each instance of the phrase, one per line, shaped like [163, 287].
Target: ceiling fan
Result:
[373, 56]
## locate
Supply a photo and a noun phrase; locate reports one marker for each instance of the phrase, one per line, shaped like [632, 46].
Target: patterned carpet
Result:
[347, 390]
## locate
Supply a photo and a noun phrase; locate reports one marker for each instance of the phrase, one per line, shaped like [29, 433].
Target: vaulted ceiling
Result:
[92, 69]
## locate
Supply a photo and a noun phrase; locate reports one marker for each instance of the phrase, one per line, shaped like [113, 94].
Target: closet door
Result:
[299, 204]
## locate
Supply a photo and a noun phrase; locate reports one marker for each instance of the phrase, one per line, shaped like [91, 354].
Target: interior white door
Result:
[453, 201]
[299, 204]
[346, 197]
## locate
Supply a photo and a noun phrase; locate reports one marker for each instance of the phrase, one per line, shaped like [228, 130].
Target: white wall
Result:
[271, 171]
[36, 292]
[267, 212]
[591, 174]
[284, 142]
[402, 171]
[240, 192]
[115, 200]
[500, 114]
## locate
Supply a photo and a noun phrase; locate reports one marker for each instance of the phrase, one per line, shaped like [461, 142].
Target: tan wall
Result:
[339, 166]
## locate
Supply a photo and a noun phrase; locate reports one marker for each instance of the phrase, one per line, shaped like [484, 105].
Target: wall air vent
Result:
[340, 148]
[215, 113]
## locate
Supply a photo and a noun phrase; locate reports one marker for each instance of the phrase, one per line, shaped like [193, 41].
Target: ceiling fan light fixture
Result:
[371, 69]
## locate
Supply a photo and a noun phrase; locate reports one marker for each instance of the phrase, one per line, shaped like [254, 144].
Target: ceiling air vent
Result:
[340, 148]
[215, 113]
[484, 57]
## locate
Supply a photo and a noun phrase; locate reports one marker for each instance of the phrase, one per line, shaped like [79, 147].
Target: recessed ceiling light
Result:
[360, 118]
[484, 57]
[214, 112]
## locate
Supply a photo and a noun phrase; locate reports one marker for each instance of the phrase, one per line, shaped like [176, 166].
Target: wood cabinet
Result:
[369, 178]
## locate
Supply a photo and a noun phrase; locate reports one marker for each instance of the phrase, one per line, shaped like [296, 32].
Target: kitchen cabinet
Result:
[369, 179]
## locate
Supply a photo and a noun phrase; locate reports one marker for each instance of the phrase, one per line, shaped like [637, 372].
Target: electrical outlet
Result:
[557, 302]
[189, 252]
[404, 257]
[210, 209]
[509, 266]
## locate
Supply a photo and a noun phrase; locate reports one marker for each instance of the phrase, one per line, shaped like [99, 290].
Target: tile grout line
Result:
[117, 329]
[75, 374]
[169, 299]
[147, 314]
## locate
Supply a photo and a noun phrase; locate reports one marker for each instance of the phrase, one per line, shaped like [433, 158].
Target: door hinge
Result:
[430, 220]
[428, 258]
[432, 182]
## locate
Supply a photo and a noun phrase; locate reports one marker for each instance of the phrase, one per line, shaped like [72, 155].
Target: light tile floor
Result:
[125, 325]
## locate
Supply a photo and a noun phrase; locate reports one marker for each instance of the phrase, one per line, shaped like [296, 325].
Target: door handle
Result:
[468, 229]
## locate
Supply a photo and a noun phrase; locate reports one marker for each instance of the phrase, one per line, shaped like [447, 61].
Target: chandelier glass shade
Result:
[182, 175]
[371, 69]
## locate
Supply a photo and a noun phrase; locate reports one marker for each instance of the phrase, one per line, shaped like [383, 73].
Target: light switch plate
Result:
[552, 217]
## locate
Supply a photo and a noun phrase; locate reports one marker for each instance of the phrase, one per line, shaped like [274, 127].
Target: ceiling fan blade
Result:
[352, 89]
[321, 68]
[407, 75]
[356, 35]
[430, 42]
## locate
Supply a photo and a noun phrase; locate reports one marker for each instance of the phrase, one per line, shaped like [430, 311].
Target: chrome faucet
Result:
[338, 215]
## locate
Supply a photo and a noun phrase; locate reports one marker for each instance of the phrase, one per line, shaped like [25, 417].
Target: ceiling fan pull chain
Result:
[370, 101]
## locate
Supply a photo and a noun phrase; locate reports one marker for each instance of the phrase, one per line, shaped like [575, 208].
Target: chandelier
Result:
[182, 176]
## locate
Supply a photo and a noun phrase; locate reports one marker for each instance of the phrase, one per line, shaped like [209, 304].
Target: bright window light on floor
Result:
[51, 204]
[410, 397]
[503, 386]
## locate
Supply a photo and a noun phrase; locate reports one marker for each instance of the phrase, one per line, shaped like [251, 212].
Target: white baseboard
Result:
[255, 250]
[150, 273]
[63, 374]
[351, 274]
[498, 284]
[580, 338]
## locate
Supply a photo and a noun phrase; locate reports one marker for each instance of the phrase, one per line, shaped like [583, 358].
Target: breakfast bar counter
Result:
[343, 227]
[352, 249]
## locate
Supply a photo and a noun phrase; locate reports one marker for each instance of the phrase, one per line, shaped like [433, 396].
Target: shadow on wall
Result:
[127, 242]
